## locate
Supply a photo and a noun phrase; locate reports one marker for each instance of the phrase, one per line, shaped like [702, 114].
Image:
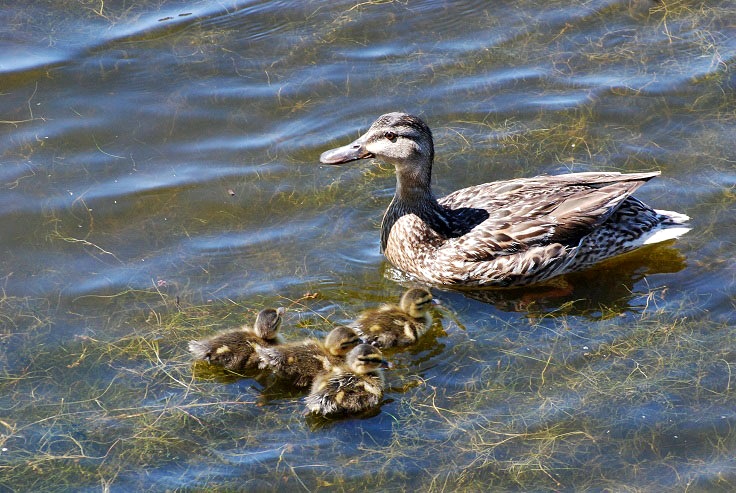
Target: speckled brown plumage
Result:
[397, 325]
[234, 349]
[507, 233]
[354, 387]
[299, 362]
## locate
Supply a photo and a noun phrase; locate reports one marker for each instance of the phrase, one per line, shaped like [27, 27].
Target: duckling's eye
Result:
[390, 136]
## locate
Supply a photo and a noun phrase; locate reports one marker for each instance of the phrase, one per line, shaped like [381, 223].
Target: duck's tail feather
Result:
[199, 349]
[673, 225]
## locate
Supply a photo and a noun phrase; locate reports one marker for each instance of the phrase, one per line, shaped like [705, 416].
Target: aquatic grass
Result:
[106, 377]
[21, 316]
[518, 140]
[631, 390]
[512, 447]
[537, 416]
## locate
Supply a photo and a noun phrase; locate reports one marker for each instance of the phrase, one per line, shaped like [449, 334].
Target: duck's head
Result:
[340, 340]
[396, 138]
[365, 358]
[268, 322]
[416, 301]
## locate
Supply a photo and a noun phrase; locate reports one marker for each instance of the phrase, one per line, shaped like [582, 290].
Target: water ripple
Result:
[160, 174]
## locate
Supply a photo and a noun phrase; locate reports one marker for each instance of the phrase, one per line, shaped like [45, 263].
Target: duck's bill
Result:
[351, 152]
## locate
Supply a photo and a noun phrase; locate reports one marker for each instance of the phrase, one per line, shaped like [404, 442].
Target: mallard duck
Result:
[234, 349]
[353, 387]
[506, 233]
[300, 361]
[391, 325]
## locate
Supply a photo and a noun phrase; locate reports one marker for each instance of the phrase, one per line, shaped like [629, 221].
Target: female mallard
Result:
[234, 349]
[391, 325]
[506, 233]
[301, 361]
[353, 387]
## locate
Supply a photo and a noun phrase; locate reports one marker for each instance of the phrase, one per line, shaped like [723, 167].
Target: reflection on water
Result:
[160, 182]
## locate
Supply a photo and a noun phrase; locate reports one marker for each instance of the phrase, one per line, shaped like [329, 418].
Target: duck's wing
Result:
[289, 358]
[380, 327]
[537, 212]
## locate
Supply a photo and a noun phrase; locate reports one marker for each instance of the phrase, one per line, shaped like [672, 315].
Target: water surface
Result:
[160, 181]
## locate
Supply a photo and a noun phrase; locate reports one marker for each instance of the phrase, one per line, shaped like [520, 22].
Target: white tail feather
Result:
[673, 217]
[664, 234]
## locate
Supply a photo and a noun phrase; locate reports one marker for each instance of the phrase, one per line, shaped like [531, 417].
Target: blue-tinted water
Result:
[160, 181]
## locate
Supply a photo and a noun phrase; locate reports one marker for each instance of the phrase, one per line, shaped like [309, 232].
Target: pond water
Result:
[160, 182]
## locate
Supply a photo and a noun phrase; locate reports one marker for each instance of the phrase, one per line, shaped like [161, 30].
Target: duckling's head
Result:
[340, 340]
[396, 138]
[365, 358]
[416, 301]
[268, 322]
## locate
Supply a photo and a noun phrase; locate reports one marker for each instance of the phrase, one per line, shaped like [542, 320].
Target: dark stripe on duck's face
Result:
[374, 360]
[425, 301]
[394, 124]
[397, 120]
[350, 343]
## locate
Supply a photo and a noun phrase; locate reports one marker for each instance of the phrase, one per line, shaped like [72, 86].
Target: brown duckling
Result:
[390, 325]
[353, 387]
[234, 349]
[301, 361]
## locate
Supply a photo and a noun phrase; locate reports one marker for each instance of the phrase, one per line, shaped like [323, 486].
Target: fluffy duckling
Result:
[301, 361]
[402, 325]
[353, 387]
[234, 350]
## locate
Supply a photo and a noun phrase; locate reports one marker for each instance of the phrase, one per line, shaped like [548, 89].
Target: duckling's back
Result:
[344, 392]
[389, 326]
[297, 362]
[233, 350]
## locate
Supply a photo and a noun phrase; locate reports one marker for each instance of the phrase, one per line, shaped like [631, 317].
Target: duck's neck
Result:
[414, 196]
[414, 185]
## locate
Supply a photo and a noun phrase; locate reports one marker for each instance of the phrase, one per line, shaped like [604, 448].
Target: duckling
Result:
[301, 361]
[402, 325]
[353, 387]
[506, 233]
[234, 350]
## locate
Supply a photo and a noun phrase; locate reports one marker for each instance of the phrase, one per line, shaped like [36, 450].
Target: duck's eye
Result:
[390, 136]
